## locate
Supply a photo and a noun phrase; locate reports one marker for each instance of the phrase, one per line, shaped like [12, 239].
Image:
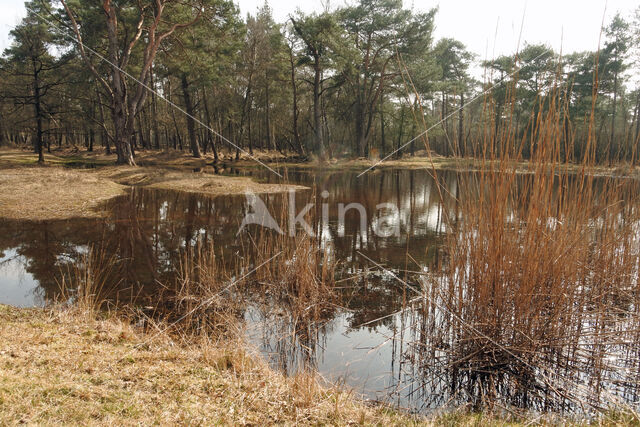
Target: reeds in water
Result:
[536, 304]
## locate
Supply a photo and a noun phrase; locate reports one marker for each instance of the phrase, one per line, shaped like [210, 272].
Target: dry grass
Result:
[536, 302]
[58, 367]
[164, 158]
[188, 181]
[68, 367]
[53, 193]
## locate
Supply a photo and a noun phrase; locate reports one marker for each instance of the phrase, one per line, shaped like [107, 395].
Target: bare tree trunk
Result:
[38, 110]
[361, 138]
[267, 115]
[635, 139]
[613, 115]
[444, 124]
[195, 148]
[294, 90]
[2, 135]
[461, 145]
[383, 148]
[317, 112]
[154, 114]
[209, 133]
[104, 135]
[400, 132]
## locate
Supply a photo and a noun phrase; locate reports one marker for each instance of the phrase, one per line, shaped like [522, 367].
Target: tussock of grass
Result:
[66, 367]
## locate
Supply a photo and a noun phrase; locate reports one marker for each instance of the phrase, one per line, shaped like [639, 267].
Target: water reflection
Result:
[364, 342]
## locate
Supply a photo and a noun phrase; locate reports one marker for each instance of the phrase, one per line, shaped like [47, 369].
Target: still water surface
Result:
[148, 229]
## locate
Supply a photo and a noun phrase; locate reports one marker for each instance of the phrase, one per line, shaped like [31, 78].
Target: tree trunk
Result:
[294, 90]
[400, 132]
[267, 115]
[123, 133]
[209, 133]
[103, 136]
[92, 138]
[382, 135]
[154, 114]
[2, 136]
[613, 115]
[461, 147]
[361, 139]
[635, 140]
[195, 148]
[246, 115]
[38, 110]
[318, 140]
[445, 148]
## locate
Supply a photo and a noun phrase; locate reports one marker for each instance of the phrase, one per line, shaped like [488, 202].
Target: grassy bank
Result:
[67, 367]
[179, 160]
[71, 367]
[55, 191]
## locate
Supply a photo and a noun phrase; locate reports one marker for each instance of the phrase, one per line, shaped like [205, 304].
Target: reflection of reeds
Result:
[536, 303]
[293, 293]
[204, 295]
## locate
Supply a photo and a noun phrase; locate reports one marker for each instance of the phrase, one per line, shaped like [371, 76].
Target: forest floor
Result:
[273, 159]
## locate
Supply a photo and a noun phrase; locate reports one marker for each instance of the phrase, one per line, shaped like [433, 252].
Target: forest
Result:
[358, 81]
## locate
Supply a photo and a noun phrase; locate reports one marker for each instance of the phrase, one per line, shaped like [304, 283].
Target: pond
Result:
[148, 228]
[364, 343]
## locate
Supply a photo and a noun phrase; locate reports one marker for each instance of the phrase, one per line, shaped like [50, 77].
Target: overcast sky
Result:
[573, 23]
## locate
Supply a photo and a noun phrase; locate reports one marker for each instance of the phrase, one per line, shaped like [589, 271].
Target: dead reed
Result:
[536, 302]
[88, 286]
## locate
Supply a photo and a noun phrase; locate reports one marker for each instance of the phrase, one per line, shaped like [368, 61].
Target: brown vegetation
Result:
[536, 300]
[46, 193]
[53, 193]
[64, 367]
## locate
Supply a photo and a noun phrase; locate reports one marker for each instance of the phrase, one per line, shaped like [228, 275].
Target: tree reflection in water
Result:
[365, 342]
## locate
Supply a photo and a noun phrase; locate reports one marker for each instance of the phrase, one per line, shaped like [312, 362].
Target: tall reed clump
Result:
[297, 297]
[537, 302]
[301, 275]
[206, 297]
[211, 291]
[89, 285]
